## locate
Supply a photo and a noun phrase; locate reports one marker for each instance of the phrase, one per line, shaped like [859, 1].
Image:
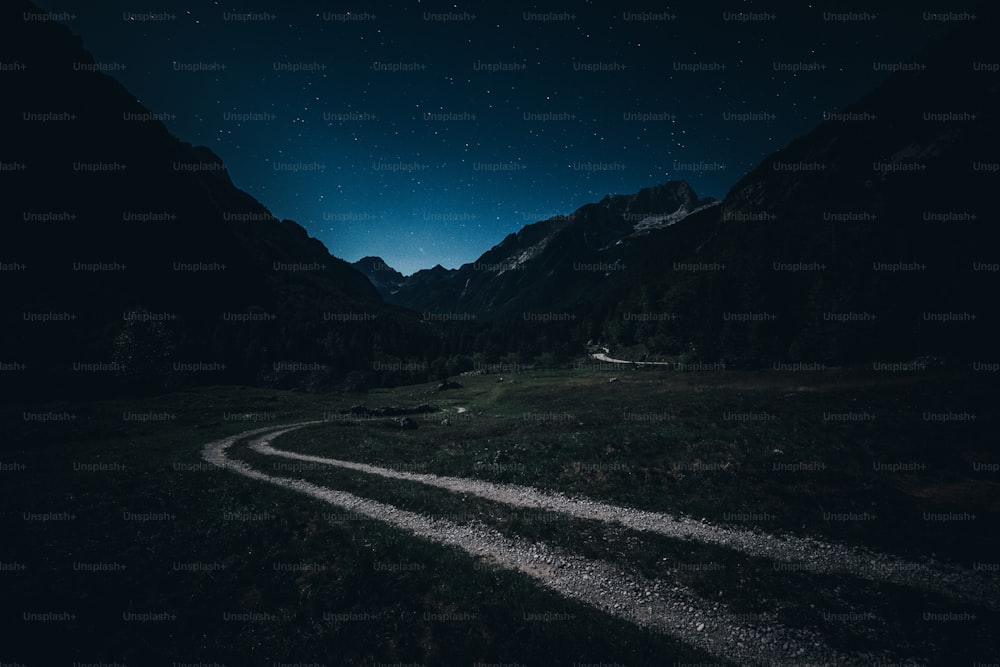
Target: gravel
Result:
[797, 553]
[661, 605]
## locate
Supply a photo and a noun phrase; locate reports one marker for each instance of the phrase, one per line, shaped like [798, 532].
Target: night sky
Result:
[426, 132]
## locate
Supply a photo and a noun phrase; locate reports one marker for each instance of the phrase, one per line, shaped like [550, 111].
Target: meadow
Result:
[125, 545]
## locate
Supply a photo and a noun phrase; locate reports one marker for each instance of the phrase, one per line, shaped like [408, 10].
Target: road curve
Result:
[794, 553]
[663, 606]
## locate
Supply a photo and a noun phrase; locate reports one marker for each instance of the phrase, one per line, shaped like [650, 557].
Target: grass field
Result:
[124, 545]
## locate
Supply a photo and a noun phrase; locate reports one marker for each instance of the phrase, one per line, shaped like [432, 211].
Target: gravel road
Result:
[796, 553]
[657, 604]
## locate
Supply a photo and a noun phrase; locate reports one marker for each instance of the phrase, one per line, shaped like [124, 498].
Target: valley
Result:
[767, 516]
[632, 424]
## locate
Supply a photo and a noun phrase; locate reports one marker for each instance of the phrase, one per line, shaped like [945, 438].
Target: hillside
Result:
[132, 261]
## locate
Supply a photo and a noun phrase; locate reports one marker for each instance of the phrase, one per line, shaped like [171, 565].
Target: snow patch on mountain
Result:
[660, 220]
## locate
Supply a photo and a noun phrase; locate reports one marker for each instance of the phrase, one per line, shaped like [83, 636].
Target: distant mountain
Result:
[553, 264]
[871, 237]
[386, 279]
[130, 259]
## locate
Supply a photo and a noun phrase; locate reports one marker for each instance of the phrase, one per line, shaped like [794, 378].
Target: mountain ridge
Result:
[135, 255]
[835, 248]
[526, 269]
[832, 249]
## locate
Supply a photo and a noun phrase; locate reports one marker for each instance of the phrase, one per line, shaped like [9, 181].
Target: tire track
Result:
[795, 553]
[662, 606]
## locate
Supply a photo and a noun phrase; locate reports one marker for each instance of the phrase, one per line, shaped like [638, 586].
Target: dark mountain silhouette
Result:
[553, 264]
[106, 215]
[871, 237]
[386, 279]
[130, 261]
[269, 242]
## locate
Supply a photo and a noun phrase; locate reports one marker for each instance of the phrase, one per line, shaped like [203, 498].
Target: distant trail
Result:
[666, 607]
[602, 356]
[796, 553]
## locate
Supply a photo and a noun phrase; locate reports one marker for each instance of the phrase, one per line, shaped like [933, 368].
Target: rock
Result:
[406, 422]
[614, 379]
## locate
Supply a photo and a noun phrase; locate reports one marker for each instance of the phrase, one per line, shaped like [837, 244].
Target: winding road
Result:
[665, 606]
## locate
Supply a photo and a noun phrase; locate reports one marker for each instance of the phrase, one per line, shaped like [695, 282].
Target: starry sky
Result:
[425, 132]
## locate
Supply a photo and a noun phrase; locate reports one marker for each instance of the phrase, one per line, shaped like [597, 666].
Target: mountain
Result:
[386, 279]
[871, 237]
[550, 265]
[130, 259]
[272, 244]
